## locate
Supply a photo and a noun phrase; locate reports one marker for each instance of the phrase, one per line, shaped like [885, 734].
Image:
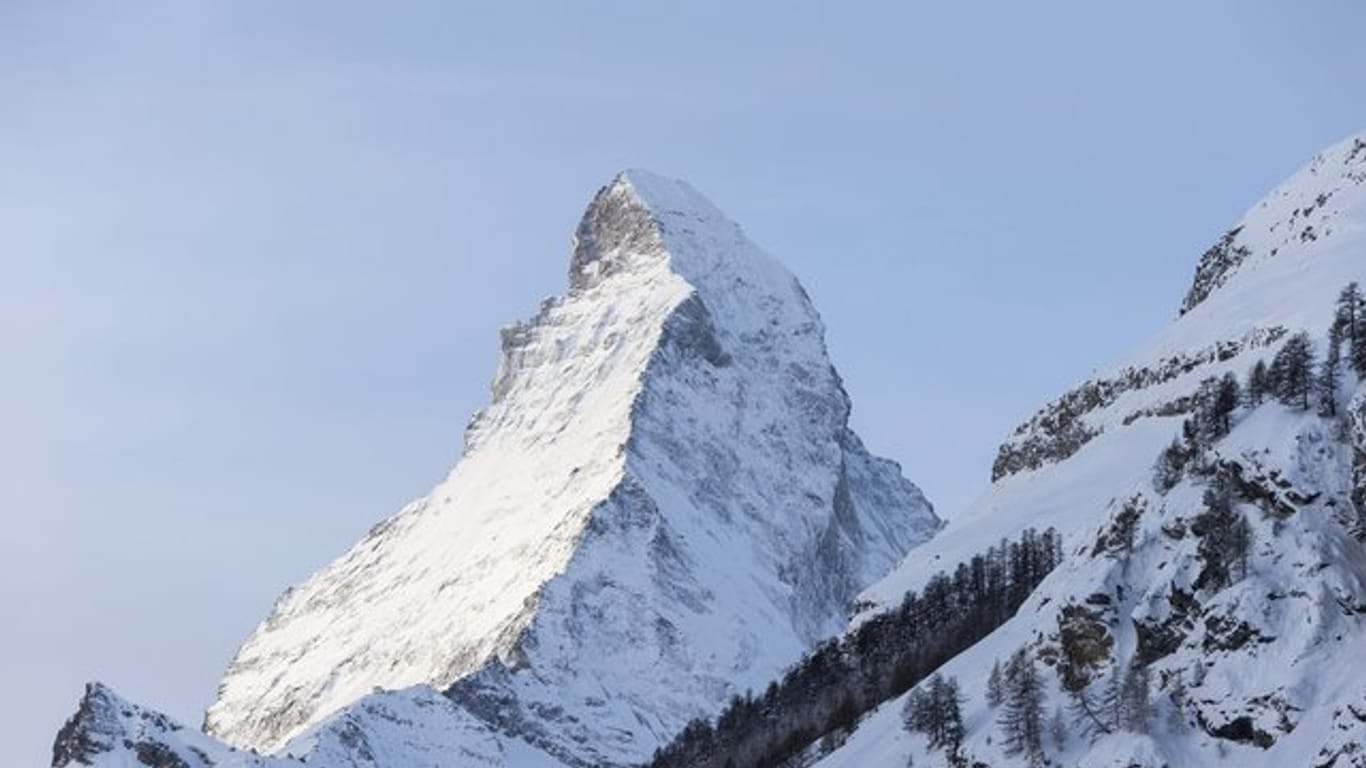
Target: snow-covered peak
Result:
[661, 505]
[108, 730]
[1323, 199]
[1282, 263]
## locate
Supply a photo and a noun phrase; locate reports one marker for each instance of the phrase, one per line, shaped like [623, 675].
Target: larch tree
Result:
[1022, 711]
[1292, 371]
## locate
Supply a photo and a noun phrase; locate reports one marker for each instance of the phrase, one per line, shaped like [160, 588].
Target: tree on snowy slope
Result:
[1350, 320]
[1225, 541]
[1215, 402]
[936, 711]
[1292, 371]
[1171, 465]
[1348, 310]
[1226, 397]
[823, 695]
[1112, 701]
[995, 686]
[1258, 383]
[1022, 712]
[1329, 380]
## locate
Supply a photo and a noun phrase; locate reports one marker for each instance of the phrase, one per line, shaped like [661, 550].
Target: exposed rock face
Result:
[1215, 267]
[88, 733]
[1062, 427]
[107, 730]
[661, 506]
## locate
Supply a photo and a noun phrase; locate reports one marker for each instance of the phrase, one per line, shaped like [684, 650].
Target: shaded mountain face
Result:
[1209, 607]
[662, 505]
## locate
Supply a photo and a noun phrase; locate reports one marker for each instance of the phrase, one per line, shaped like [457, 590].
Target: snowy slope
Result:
[662, 505]
[1270, 662]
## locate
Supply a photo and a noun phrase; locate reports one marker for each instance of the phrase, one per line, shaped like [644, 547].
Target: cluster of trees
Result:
[936, 710]
[1295, 378]
[1017, 691]
[1119, 702]
[826, 693]
[1122, 703]
[1226, 537]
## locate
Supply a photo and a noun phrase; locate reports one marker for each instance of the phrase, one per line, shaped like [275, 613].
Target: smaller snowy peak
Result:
[108, 730]
[1306, 207]
[96, 728]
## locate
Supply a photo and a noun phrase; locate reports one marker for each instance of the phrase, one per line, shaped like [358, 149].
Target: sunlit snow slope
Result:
[662, 505]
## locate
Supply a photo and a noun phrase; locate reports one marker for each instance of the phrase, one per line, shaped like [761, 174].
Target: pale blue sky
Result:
[253, 255]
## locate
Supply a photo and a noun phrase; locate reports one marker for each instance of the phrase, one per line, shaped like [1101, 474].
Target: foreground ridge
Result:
[1209, 491]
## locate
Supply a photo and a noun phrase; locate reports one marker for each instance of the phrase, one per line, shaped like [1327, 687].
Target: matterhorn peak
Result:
[661, 506]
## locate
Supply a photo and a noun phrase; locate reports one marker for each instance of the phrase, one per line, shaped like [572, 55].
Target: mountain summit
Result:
[661, 506]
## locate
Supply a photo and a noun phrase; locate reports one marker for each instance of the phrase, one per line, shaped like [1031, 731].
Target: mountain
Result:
[662, 506]
[1210, 605]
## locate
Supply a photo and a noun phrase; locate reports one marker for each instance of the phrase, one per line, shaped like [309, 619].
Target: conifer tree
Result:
[1329, 379]
[1170, 466]
[1226, 401]
[1112, 702]
[1088, 712]
[948, 701]
[1225, 541]
[1291, 371]
[1350, 318]
[995, 689]
[1348, 312]
[936, 711]
[1240, 546]
[1021, 718]
[1258, 383]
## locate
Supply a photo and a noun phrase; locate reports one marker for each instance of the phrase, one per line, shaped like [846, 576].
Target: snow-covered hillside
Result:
[662, 505]
[1257, 668]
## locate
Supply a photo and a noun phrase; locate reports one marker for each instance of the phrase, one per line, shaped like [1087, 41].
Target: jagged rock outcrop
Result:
[107, 730]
